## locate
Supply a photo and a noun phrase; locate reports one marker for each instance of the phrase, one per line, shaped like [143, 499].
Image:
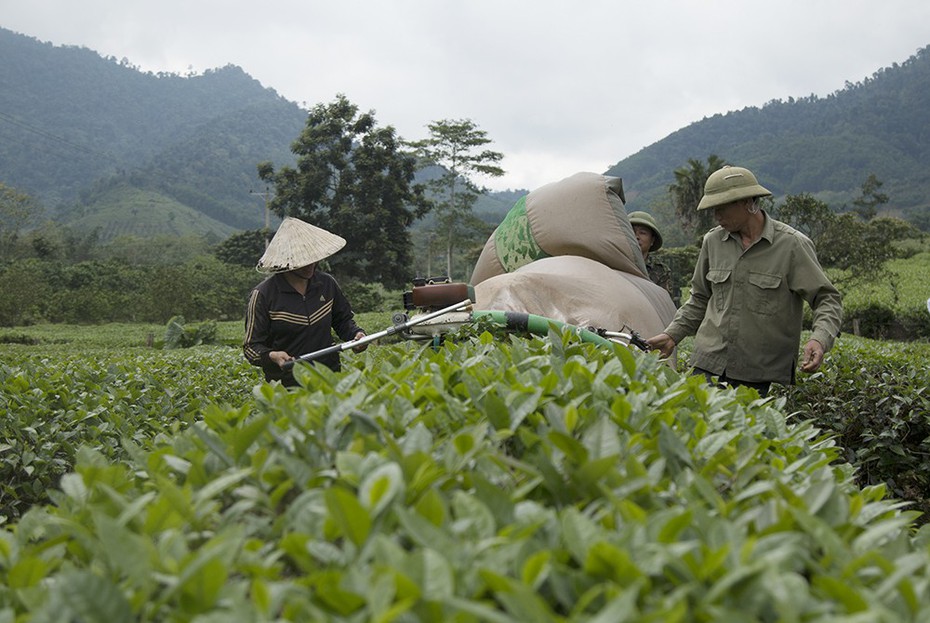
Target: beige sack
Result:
[582, 215]
[582, 292]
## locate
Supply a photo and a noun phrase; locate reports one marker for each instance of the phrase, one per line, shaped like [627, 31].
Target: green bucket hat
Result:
[730, 184]
[645, 219]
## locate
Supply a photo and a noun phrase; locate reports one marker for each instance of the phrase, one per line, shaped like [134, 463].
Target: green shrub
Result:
[371, 297]
[514, 480]
[111, 401]
[17, 338]
[178, 335]
[915, 323]
[874, 320]
[23, 290]
[879, 321]
[95, 292]
[874, 398]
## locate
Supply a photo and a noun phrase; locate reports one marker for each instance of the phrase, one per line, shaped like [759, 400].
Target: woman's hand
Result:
[360, 347]
[279, 357]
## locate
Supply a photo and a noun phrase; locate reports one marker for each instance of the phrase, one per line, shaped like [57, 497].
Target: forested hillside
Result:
[825, 146]
[99, 143]
[75, 127]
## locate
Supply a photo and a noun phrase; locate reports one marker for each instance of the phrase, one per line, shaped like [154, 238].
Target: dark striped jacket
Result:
[278, 317]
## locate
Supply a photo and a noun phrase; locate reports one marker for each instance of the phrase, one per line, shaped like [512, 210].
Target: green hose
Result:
[538, 325]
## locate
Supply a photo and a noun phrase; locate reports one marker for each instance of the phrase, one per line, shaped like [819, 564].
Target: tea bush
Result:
[112, 402]
[894, 307]
[874, 397]
[180, 335]
[488, 480]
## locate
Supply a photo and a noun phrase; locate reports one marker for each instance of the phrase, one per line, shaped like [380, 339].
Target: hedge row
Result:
[488, 480]
[874, 397]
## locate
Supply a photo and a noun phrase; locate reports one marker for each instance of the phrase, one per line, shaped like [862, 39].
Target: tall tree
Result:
[806, 214]
[242, 248]
[860, 250]
[355, 179]
[870, 198]
[456, 146]
[687, 191]
[17, 209]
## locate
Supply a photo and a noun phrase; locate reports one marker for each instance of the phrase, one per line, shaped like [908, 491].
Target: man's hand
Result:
[813, 356]
[360, 347]
[662, 343]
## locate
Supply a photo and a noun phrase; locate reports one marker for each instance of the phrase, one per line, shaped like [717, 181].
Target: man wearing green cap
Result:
[650, 239]
[750, 283]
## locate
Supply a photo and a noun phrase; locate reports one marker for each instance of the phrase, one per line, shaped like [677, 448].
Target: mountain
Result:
[825, 146]
[101, 143]
[78, 131]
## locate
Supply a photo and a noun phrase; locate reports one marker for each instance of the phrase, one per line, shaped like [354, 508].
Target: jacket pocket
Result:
[764, 293]
[720, 286]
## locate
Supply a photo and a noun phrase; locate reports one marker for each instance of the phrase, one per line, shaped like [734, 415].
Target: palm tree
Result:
[687, 191]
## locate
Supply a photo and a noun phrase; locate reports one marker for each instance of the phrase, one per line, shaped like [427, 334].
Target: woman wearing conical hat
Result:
[295, 310]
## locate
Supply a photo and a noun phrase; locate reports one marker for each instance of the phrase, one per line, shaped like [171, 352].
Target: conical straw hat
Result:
[298, 244]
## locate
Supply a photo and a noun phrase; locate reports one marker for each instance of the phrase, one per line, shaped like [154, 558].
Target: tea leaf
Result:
[351, 518]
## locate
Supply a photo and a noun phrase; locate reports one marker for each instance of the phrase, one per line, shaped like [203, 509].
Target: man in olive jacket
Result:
[750, 283]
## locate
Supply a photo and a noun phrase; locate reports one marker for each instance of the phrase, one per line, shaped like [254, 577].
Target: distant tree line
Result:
[352, 177]
[128, 280]
[357, 179]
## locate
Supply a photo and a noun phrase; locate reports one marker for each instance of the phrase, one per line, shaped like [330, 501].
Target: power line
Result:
[267, 195]
[53, 137]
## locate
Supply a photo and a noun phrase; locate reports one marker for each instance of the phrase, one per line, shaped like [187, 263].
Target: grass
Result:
[124, 210]
[907, 290]
[119, 335]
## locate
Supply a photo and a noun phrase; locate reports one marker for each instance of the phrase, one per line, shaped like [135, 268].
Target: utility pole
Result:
[429, 253]
[266, 196]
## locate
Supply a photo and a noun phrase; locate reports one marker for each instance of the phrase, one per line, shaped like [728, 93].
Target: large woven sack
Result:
[582, 292]
[582, 215]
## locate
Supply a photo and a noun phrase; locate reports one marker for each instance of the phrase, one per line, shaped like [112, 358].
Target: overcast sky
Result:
[560, 86]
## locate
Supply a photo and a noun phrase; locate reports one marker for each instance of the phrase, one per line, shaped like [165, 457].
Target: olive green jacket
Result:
[746, 307]
[659, 274]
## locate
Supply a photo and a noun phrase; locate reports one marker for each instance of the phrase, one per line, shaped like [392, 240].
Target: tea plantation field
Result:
[497, 478]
